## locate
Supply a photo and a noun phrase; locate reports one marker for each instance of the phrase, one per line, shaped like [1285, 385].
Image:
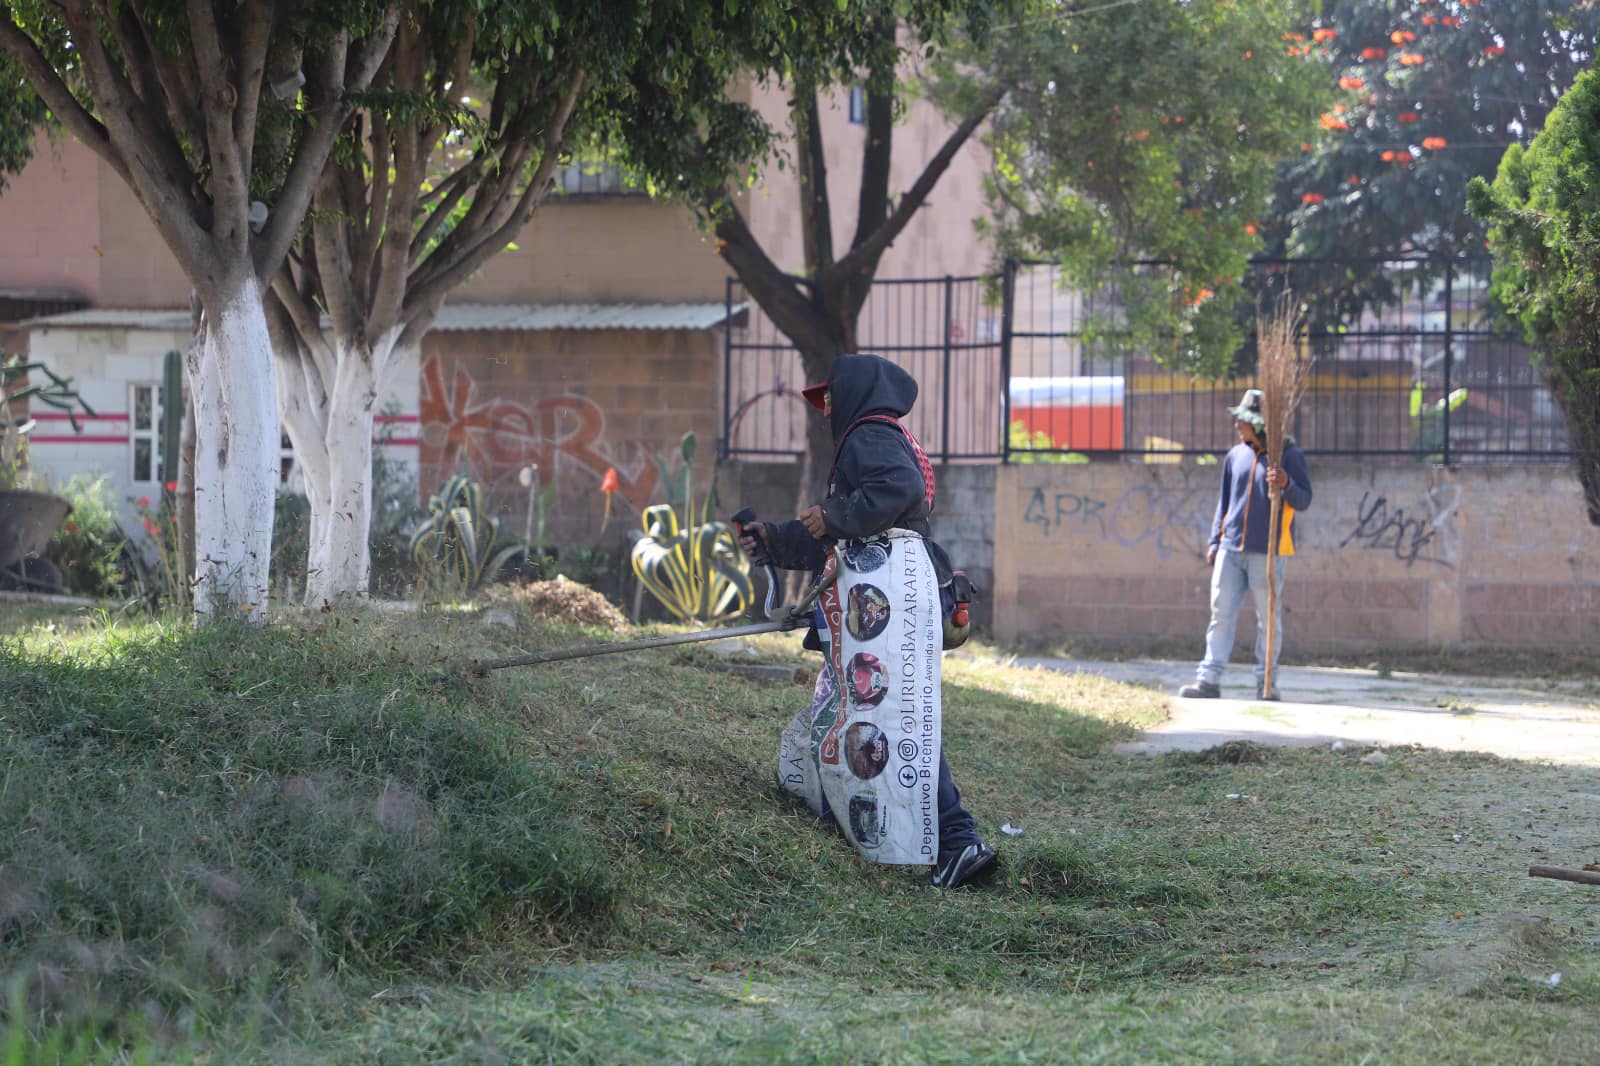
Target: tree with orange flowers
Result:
[1428, 94]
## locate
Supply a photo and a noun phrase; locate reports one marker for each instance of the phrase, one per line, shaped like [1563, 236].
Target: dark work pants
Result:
[957, 828]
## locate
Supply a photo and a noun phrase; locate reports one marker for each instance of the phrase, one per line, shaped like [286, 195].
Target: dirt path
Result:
[1556, 721]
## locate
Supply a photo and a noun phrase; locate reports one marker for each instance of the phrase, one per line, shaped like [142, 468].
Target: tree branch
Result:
[816, 215]
[57, 96]
[779, 294]
[872, 205]
[229, 183]
[147, 166]
[295, 194]
[307, 322]
[437, 276]
[864, 254]
[254, 39]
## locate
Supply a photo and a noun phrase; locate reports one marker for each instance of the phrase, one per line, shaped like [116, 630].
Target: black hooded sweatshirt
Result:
[877, 483]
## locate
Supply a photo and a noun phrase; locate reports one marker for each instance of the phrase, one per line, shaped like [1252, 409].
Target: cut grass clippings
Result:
[317, 842]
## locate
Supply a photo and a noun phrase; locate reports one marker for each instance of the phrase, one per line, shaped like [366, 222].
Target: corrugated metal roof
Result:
[511, 317]
[113, 318]
[582, 316]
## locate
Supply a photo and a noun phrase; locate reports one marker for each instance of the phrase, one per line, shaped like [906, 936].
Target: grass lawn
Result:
[317, 843]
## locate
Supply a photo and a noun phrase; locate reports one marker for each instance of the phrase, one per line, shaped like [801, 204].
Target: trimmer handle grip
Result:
[746, 516]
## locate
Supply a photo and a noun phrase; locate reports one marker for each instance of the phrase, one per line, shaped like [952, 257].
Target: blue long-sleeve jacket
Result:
[1243, 509]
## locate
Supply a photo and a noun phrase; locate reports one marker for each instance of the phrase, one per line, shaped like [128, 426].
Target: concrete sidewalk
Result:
[1556, 721]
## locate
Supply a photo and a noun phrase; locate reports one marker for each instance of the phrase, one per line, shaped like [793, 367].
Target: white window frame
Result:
[151, 433]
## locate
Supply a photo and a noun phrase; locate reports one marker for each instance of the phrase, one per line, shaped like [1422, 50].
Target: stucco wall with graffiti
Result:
[1405, 555]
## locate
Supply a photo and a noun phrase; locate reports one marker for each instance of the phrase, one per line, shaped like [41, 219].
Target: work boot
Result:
[1200, 690]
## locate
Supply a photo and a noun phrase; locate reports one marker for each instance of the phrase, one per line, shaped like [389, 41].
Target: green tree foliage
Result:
[1149, 133]
[1543, 214]
[22, 115]
[1426, 95]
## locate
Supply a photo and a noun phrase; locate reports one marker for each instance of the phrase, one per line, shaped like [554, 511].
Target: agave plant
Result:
[460, 537]
[696, 570]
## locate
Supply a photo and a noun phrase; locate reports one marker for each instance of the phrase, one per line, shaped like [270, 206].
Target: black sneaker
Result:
[1200, 690]
[964, 867]
[1266, 697]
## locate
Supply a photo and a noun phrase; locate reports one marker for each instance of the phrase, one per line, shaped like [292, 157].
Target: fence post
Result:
[949, 323]
[1008, 301]
[1449, 346]
[725, 445]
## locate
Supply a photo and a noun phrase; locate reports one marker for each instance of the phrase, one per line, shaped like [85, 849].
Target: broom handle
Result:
[1276, 497]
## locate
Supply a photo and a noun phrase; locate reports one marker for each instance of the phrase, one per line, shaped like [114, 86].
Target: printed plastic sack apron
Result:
[867, 749]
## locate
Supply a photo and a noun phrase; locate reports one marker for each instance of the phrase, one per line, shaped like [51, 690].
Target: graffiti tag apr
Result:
[498, 435]
[1048, 514]
[1382, 527]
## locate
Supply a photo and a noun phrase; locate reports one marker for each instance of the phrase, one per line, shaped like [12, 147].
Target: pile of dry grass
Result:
[567, 602]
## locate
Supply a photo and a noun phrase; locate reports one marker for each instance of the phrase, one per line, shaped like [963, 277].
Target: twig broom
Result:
[1281, 373]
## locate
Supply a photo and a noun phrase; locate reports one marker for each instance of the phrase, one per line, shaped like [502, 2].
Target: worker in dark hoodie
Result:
[867, 753]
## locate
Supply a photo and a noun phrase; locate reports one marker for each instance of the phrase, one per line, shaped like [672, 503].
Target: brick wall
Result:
[576, 402]
[1406, 555]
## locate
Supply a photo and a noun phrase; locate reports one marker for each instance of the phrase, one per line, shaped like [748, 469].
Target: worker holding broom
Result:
[867, 753]
[1237, 554]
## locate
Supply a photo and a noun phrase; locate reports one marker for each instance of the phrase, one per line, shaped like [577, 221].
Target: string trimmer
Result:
[780, 620]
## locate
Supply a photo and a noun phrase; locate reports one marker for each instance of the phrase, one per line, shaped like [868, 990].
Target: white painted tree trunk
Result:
[236, 456]
[333, 442]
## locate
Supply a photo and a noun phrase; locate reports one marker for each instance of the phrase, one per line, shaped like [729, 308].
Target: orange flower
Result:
[1324, 35]
[1294, 37]
[1429, 20]
[1354, 179]
[172, 486]
[71, 527]
[1388, 155]
[142, 502]
[1141, 135]
[1406, 116]
[1433, 144]
[1248, 53]
[1305, 147]
[1251, 228]
[1370, 54]
[1334, 122]
[1349, 84]
[608, 485]
[1495, 50]
[1413, 59]
[1449, 20]
[1311, 198]
[1402, 36]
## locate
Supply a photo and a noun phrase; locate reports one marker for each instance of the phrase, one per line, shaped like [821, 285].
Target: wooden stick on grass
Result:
[1281, 373]
[1562, 873]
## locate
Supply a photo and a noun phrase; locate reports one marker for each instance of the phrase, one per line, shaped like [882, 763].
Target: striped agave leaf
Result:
[698, 574]
[461, 536]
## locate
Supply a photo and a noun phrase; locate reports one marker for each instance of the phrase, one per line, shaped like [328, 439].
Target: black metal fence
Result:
[1017, 367]
[943, 330]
